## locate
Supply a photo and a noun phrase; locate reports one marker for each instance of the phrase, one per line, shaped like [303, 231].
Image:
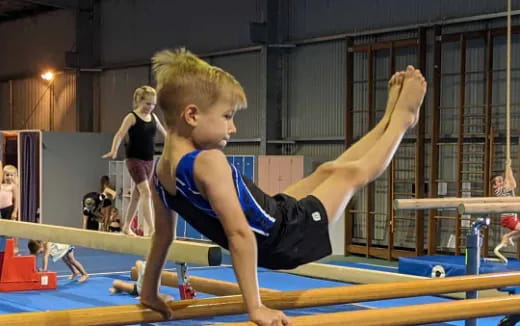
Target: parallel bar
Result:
[183, 251]
[411, 315]
[429, 203]
[489, 208]
[202, 284]
[365, 276]
[186, 309]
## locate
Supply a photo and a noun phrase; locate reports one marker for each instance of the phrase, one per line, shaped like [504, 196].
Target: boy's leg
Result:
[79, 267]
[305, 186]
[347, 177]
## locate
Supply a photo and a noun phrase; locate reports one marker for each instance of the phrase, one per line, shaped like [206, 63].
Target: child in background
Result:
[58, 251]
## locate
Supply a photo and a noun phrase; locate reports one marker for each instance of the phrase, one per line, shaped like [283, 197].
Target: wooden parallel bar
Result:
[363, 276]
[197, 308]
[411, 315]
[182, 251]
[470, 208]
[428, 203]
[203, 284]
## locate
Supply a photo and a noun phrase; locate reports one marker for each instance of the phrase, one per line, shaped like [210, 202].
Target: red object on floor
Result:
[18, 273]
[186, 291]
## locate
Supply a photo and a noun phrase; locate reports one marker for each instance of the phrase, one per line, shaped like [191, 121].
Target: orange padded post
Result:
[18, 273]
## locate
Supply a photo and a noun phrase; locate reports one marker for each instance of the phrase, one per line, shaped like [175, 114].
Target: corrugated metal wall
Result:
[33, 44]
[5, 110]
[247, 69]
[64, 106]
[128, 33]
[307, 16]
[316, 81]
[116, 90]
[39, 104]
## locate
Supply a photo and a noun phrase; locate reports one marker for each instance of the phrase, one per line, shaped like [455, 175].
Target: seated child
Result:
[114, 222]
[130, 288]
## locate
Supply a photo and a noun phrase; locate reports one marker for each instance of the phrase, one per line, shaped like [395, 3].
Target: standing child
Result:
[9, 203]
[58, 251]
[193, 178]
[140, 125]
[9, 194]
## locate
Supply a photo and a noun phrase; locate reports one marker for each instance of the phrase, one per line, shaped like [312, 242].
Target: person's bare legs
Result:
[507, 239]
[130, 212]
[145, 207]
[305, 186]
[72, 268]
[347, 177]
[78, 266]
[121, 286]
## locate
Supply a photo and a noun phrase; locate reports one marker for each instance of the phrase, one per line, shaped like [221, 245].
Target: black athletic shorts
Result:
[302, 234]
[134, 291]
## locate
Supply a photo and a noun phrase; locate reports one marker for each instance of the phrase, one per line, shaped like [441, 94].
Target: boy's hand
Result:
[159, 303]
[264, 316]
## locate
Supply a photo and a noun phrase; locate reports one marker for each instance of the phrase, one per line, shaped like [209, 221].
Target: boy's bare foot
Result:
[394, 89]
[410, 99]
[83, 278]
[113, 290]
[73, 276]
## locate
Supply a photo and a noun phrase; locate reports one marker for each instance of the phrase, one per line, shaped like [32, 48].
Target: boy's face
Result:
[498, 182]
[215, 126]
[148, 104]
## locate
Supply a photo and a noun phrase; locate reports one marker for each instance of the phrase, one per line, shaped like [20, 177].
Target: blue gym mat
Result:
[452, 265]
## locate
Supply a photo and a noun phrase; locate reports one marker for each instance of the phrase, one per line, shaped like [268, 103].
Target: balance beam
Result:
[202, 284]
[489, 208]
[411, 315]
[182, 251]
[433, 203]
[197, 308]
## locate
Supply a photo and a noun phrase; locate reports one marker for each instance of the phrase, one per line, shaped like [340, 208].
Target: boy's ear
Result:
[190, 114]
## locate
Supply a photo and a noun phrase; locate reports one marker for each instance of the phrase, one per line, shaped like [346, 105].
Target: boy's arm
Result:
[220, 192]
[509, 178]
[128, 122]
[165, 227]
[159, 126]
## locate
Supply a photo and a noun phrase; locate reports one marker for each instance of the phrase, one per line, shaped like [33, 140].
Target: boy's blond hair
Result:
[183, 79]
[141, 93]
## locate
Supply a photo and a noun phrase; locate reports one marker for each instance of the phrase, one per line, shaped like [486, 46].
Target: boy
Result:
[194, 179]
[504, 186]
[58, 251]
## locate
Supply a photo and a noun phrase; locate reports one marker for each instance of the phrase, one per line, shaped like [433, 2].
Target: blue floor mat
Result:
[94, 292]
